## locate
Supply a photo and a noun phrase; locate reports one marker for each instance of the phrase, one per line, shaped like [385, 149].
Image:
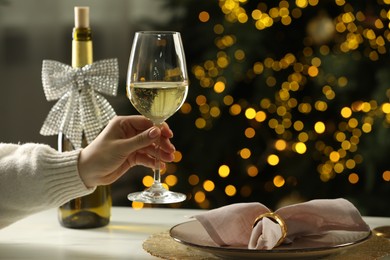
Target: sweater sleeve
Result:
[35, 177]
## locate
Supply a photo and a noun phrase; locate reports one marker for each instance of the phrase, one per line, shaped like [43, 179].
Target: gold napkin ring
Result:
[277, 219]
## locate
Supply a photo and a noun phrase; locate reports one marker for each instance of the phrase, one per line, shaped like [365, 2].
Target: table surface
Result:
[40, 236]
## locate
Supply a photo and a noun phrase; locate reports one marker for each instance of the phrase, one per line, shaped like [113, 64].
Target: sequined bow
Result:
[81, 107]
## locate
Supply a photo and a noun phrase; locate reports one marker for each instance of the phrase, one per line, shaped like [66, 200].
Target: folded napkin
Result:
[232, 225]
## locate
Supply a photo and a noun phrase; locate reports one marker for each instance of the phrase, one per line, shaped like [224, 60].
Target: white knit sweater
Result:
[34, 177]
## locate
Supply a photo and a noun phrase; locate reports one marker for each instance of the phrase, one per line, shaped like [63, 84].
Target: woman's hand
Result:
[125, 142]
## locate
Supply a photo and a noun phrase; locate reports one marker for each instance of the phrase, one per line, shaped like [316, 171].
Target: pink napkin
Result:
[232, 225]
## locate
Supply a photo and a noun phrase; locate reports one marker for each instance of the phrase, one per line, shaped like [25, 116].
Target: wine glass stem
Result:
[157, 174]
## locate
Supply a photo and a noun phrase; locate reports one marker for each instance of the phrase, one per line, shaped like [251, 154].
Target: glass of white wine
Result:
[157, 85]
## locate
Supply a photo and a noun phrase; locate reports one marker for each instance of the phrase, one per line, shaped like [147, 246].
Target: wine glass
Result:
[157, 85]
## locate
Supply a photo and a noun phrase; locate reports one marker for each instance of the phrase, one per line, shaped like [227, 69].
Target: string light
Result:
[333, 143]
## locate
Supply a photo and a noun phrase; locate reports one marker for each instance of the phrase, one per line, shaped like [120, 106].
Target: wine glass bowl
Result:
[157, 86]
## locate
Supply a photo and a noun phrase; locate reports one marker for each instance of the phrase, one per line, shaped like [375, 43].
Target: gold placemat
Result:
[163, 246]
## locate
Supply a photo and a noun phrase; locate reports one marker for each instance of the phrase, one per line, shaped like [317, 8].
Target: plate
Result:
[193, 234]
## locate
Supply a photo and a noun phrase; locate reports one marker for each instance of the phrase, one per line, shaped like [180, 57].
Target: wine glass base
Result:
[157, 195]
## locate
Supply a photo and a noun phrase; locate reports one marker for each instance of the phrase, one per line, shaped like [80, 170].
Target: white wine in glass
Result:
[157, 86]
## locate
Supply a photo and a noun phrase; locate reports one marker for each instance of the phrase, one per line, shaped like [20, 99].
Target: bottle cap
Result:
[81, 17]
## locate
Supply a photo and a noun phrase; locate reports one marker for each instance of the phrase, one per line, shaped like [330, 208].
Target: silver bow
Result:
[80, 107]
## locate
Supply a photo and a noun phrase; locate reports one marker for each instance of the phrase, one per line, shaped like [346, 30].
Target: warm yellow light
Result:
[261, 116]
[279, 129]
[338, 167]
[171, 180]
[386, 175]
[300, 148]
[296, 13]
[147, 181]
[228, 100]
[193, 179]
[239, 55]
[294, 86]
[366, 107]
[334, 156]
[386, 108]
[319, 127]
[219, 87]
[204, 109]
[209, 64]
[366, 127]
[313, 2]
[354, 140]
[324, 50]
[284, 12]
[200, 100]
[178, 156]
[301, 3]
[298, 125]
[353, 123]
[250, 113]
[280, 145]
[218, 29]
[304, 108]
[273, 123]
[348, 17]
[199, 196]
[252, 171]
[370, 34]
[250, 132]
[215, 112]
[342, 81]
[270, 81]
[273, 159]
[284, 94]
[199, 72]
[265, 103]
[313, 71]
[281, 110]
[340, 2]
[235, 109]
[224, 171]
[204, 16]
[137, 205]
[208, 185]
[245, 153]
[200, 123]
[286, 122]
[346, 112]
[340, 136]
[242, 18]
[230, 190]
[256, 14]
[278, 181]
[303, 137]
[273, 12]
[186, 108]
[222, 62]
[353, 178]
[350, 164]
[321, 106]
[258, 68]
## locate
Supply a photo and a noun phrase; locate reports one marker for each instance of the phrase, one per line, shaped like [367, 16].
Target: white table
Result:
[40, 236]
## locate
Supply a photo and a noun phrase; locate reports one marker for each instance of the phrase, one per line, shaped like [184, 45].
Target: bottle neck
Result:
[82, 51]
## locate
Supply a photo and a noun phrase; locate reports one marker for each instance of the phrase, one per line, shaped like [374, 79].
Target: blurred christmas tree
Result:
[289, 101]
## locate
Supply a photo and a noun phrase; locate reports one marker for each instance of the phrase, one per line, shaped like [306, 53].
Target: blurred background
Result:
[288, 101]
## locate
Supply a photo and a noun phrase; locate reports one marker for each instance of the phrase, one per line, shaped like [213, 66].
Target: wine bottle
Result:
[93, 210]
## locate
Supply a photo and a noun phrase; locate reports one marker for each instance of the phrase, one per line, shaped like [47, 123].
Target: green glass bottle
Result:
[93, 210]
